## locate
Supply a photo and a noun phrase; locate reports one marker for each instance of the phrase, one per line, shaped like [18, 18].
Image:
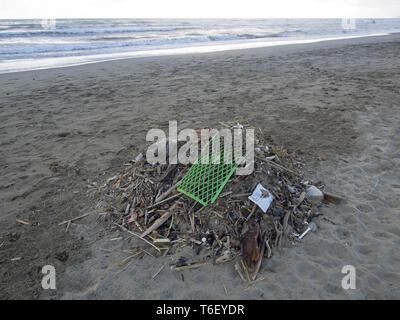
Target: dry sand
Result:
[61, 130]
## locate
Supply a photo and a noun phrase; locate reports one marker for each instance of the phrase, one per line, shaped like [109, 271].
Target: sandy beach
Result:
[64, 131]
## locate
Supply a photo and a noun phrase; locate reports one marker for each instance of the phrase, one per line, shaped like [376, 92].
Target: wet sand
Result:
[64, 131]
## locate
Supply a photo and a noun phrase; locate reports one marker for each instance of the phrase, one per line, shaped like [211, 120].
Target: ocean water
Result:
[38, 44]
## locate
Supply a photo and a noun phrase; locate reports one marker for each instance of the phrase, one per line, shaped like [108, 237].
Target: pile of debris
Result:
[253, 215]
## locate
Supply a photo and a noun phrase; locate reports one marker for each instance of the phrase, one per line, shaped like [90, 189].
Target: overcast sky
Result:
[199, 9]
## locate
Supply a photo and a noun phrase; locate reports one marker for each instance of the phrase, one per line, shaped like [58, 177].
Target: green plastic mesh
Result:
[205, 181]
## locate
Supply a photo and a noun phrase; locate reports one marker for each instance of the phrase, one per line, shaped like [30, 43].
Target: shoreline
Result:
[197, 49]
[65, 131]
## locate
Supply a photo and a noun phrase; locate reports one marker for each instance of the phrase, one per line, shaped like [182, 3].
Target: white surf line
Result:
[51, 63]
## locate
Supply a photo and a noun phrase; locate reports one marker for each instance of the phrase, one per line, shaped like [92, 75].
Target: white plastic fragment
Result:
[311, 227]
[238, 126]
[314, 194]
[139, 157]
[262, 197]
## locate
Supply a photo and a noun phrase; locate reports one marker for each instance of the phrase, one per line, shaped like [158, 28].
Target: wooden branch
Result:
[286, 221]
[279, 166]
[22, 221]
[189, 266]
[136, 235]
[269, 251]
[252, 212]
[333, 198]
[222, 195]
[245, 270]
[238, 195]
[240, 273]
[289, 213]
[155, 275]
[278, 235]
[160, 221]
[165, 200]
[167, 193]
[76, 218]
[258, 265]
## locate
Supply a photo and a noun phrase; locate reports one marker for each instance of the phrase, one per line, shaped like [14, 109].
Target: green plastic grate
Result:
[205, 181]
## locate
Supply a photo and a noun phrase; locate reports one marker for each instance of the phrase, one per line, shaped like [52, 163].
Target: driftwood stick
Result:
[136, 235]
[279, 166]
[165, 200]
[155, 275]
[258, 265]
[22, 221]
[286, 221]
[160, 221]
[166, 193]
[252, 212]
[278, 237]
[289, 213]
[333, 198]
[301, 199]
[76, 218]
[226, 291]
[238, 195]
[222, 195]
[190, 266]
[157, 223]
[240, 273]
[245, 270]
[269, 251]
